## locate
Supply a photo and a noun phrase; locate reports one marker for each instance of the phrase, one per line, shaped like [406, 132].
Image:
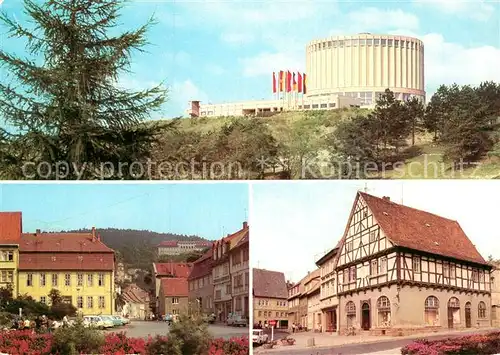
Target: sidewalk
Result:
[326, 340]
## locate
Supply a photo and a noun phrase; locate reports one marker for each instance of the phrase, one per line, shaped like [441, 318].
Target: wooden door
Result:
[450, 317]
[468, 322]
[365, 316]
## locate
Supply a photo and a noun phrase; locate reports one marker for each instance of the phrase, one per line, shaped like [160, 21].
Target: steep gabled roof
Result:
[135, 294]
[202, 266]
[66, 261]
[269, 284]
[420, 230]
[10, 227]
[174, 287]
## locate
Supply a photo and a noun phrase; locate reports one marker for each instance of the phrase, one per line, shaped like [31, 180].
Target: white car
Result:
[259, 337]
[236, 320]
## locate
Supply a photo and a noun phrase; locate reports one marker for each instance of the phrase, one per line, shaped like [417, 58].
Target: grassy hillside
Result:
[308, 133]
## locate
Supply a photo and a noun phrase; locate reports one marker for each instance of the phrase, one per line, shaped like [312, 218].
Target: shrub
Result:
[191, 334]
[471, 344]
[27, 342]
[77, 339]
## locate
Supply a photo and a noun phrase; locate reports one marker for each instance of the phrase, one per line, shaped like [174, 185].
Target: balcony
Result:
[240, 289]
[220, 279]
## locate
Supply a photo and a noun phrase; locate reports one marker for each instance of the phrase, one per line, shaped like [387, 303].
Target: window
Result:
[43, 299]
[277, 314]
[228, 289]
[102, 304]
[323, 106]
[383, 265]
[260, 313]
[79, 302]
[218, 294]
[90, 280]
[354, 42]
[175, 300]
[396, 43]
[481, 310]
[446, 270]
[43, 279]
[431, 312]
[377, 42]
[348, 246]
[79, 280]
[100, 281]
[374, 267]
[7, 276]
[55, 280]
[352, 274]
[373, 236]
[452, 271]
[369, 42]
[362, 42]
[475, 276]
[347, 42]
[175, 311]
[346, 276]
[389, 42]
[315, 106]
[90, 302]
[29, 280]
[384, 311]
[350, 310]
[384, 42]
[67, 280]
[416, 265]
[481, 276]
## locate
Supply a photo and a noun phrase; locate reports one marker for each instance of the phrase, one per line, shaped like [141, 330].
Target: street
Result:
[142, 329]
[389, 346]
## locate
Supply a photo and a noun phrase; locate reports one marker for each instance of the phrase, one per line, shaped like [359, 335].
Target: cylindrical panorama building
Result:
[364, 65]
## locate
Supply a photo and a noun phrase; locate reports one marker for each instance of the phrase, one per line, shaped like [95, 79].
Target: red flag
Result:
[305, 84]
[294, 83]
[288, 81]
[274, 83]
[282, 80]
[299, 82]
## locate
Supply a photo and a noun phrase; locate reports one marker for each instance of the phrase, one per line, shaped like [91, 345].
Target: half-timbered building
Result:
[401, 270]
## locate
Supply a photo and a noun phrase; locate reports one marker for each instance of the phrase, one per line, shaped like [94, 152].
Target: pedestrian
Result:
[293, 327]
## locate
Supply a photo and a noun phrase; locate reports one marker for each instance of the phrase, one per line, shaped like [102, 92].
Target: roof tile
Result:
[10, 227]
[269, 284]
[172, 287]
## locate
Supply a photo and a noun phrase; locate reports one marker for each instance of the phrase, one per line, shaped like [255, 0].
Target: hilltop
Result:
[291, 137]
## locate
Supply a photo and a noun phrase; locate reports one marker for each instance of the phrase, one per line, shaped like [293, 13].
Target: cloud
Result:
[180, 58]
[447, 63]
[237, 38]
[372, 18]
[477, 10]
[215, 69]
[184, 91]
[266, 63]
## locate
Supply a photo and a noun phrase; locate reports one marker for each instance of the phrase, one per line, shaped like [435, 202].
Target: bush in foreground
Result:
[27, 342]
[483, 344]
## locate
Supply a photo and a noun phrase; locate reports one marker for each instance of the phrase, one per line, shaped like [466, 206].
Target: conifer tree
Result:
[63, 104]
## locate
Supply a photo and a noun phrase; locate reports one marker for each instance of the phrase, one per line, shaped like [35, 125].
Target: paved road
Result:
[142, 329]
[355, 349]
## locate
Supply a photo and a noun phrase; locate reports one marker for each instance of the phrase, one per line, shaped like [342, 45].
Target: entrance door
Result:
[468, 322]
[450, 317]
[365, 316]
[334, 320]
[453, 312]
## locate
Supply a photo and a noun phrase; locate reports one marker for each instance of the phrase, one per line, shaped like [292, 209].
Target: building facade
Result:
[178, 247]
[495, 293]
[174, 296]
[79, 265]
[10, 238]
[401, 270]
[313, 314]
[168, 270]
[221, 278]
[328, 293]
[201, 288]
[136, 303]
[270, 298]
[364, 65]
[240, 274]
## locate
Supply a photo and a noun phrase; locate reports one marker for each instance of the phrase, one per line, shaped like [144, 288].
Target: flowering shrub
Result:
[26, 342]
[479, 344]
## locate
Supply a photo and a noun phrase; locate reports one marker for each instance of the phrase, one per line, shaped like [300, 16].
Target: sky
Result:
[309, 218]
[204, 209]
[221, 51]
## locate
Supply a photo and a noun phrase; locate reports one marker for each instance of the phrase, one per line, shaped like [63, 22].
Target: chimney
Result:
[387, 198]
[93, 234]
[245, 225]
[38, 231]
[99, 237]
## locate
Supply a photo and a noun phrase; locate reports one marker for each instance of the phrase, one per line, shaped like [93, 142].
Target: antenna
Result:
[366, 188]
[402, 192]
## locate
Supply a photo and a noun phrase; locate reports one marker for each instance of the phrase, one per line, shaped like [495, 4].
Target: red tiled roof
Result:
[10, 227]
[174, 287]
[173, 269]
[202, 267]
[62, 242]
[269, 284]
[134, 294]
[175, 243]
[66, 261]
[420, 230]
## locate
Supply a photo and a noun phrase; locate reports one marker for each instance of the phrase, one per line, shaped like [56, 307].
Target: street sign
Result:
[272, 323]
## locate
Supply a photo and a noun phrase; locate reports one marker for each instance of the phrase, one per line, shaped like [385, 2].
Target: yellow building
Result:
[10, 234]
[269, 298]
[79, 265]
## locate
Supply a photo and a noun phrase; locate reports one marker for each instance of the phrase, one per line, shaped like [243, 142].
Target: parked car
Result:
[107, 321]
[168, 318]
[116, 322]
[96, 322]
[259, 337]
[236, 320]
[209, 318]
[124, 320]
